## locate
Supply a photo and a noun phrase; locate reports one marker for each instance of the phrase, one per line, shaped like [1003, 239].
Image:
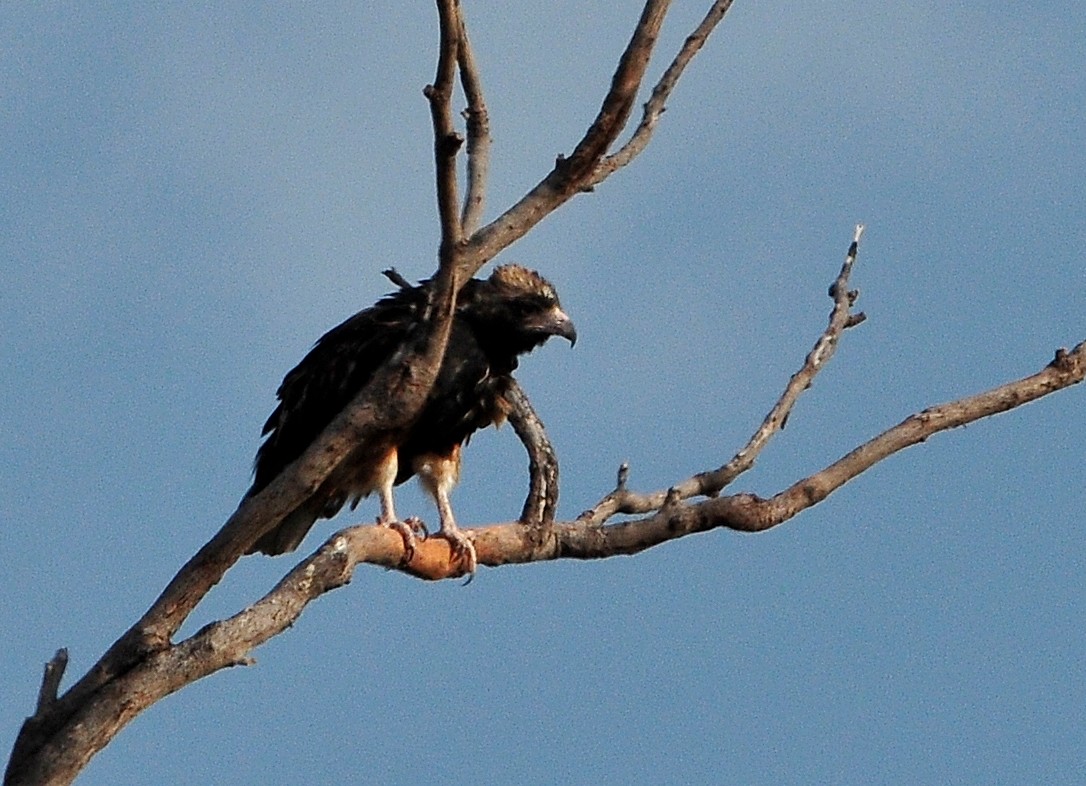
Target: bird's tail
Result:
[291, 531]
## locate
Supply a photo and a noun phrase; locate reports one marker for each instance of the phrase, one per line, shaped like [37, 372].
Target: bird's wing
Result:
[467, 396]
[330, 376]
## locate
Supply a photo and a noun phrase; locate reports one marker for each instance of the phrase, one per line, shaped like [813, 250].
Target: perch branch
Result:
[230, 642]
[383, 409]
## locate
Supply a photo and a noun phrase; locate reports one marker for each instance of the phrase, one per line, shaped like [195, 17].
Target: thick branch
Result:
[231, 641]
[385, 407]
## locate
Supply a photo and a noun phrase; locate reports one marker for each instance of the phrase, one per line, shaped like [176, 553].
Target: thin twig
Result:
[393, 275]
[712, 482]
[616, 107]
[478, 128]
[578, 172]
[50, 683]
[655, 106]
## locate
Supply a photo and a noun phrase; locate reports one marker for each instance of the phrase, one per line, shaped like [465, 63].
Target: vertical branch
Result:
[447, 141]
[478, 122]
[542, 501]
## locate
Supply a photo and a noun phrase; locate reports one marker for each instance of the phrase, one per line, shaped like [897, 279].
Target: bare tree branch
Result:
[447, 141]
[145, 664]
[655, 106]
[393, 275]
[620, 98]
[50, 683]
[581, 170]
[711, 483]
[478, 126]
[231, 641]
[383, 408]
[541, 504]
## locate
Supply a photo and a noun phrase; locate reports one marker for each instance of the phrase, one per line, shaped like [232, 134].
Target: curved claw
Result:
[417, 526]
[407, 530]
[463, 550]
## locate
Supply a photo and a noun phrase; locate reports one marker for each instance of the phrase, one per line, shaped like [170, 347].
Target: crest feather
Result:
[516, 279]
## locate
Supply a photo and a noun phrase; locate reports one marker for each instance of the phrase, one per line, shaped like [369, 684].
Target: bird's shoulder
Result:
[345, 358]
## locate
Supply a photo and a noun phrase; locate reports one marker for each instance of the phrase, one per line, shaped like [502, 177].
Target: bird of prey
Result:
[497, 319]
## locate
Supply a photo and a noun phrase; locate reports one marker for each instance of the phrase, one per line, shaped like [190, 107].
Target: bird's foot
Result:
[463, 550]
[410, 530]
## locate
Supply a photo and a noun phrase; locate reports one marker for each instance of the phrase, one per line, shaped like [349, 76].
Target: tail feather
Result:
[291, 531]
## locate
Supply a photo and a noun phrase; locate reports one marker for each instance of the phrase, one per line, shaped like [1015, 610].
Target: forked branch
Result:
[145, 664]
[586, 167]
[712, 482]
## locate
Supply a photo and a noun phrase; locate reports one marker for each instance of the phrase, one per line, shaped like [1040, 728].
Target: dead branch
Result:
[50, 683]
[478, 127]
[447, 140]
[656, 104]
[541, 504]
[231, 641]
[711, 483]
[582, 170]
[145, 664]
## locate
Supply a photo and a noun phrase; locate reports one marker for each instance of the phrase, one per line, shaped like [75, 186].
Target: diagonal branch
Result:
[711, 483]
[230, 642]
[655, 106]
[583, 170]
[619, 101]
[92, 725]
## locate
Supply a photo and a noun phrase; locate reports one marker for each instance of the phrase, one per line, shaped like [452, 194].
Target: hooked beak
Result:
[557, 323]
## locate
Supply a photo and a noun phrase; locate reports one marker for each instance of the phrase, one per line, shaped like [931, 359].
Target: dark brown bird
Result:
[497, 319]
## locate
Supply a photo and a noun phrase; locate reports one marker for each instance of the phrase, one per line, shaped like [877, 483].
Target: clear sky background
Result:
[191, 194]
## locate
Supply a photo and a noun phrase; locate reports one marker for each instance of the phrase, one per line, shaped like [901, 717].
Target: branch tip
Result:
[672, 499]
[623, 476]
[393, 275]
[50, 683]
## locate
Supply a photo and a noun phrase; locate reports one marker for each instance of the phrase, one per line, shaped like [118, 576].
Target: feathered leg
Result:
[386, 479]
[439, 475]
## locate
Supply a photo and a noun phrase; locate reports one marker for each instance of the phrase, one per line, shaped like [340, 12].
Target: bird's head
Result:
[520, 308]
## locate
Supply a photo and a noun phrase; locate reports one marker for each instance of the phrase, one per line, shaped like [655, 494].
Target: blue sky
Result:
[191, 196]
